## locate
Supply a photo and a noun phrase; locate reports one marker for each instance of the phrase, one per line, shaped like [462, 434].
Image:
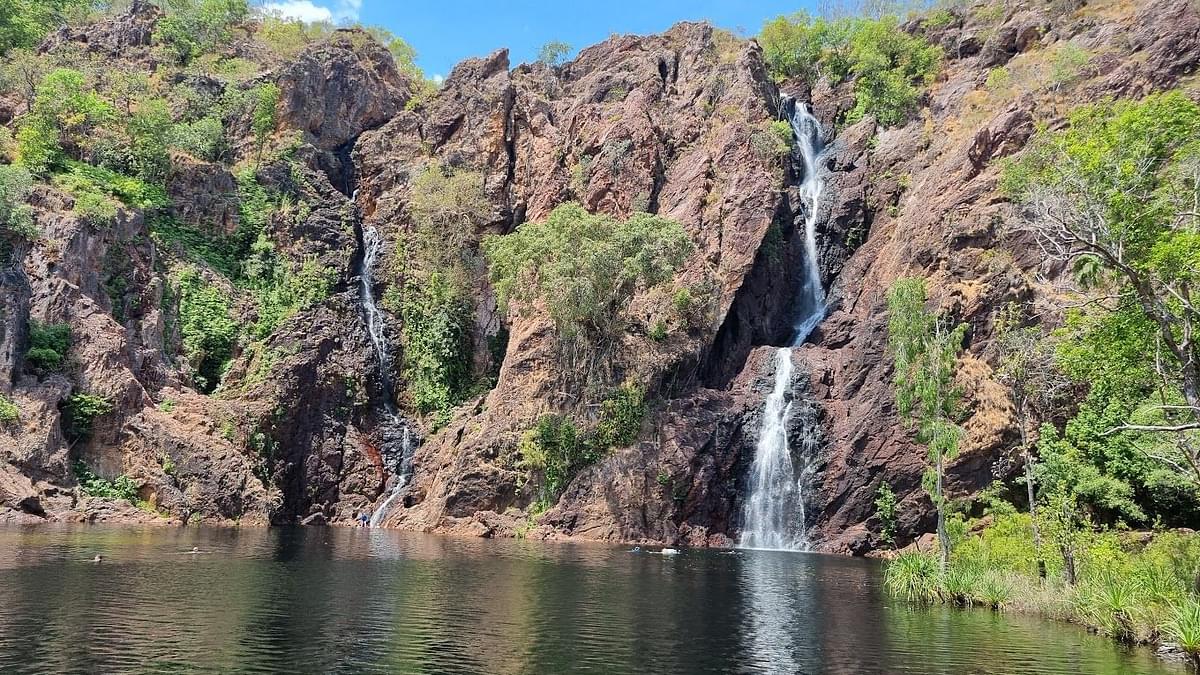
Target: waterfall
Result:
[406, 446]
[372, 243]
[773, 516]
[809, 149]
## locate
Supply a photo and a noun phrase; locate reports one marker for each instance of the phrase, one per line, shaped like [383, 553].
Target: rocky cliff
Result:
[305, 425]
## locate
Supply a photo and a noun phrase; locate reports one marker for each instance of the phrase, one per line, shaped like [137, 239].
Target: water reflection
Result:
[315, 600]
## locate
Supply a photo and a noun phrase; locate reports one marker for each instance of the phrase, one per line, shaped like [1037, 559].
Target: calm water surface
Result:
[345, 600]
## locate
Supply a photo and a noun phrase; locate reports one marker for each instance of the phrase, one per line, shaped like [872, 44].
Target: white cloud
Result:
[347, 10]
[303, 10]
[342, 11]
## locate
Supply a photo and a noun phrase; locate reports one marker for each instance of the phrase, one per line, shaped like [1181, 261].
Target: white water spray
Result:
[381, 513]
[773, 516]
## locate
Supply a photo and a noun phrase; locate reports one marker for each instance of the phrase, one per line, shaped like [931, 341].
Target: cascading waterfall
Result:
[406, 447]
[372, 243]
[773, 516]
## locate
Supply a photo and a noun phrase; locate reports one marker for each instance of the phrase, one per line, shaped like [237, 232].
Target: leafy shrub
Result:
[149, 130]
[285, 293]
[80, 411]
[65, 112]
[48, 345]
[1068, 64]
[207, 331]
[774, 140]
[95, 208]
[554, 447]
[123, 487]
[194, 27]
[435, 336]
[585, 268]
[9, 412]
[553, 53]
[265, 116]
[658, 332]
[998, 79]
[885, 510]
[23, 23]
[80, 178]
[16, 216]
[890, 67]
[287, 37]
[203, 138]
[436, 302]
[621, 417]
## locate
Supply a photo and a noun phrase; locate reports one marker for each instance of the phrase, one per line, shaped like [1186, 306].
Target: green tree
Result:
[1118, 186]
[9, 412]
[885, 510]
[1035, 384]
[195, 27]
[207, 330]
[440, 266]
[23, 23]
[435, 335]
[16, 216]
[266, 115]
[584, 269]
[80, 413]
[553, 53]
[65, 112]
[21, 71]
[48, 345]
[890, 67]
[925, 347]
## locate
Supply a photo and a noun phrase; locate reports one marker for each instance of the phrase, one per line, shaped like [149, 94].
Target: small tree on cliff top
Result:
[926, 347]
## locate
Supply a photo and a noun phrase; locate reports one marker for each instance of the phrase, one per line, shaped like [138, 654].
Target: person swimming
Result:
[98, 558]
[636, 549]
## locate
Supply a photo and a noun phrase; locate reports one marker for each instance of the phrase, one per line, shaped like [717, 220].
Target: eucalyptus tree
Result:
[925, 347]
[1117, 192]
[1035, 384]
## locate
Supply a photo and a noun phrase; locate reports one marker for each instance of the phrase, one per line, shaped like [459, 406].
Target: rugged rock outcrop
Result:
[302, 427]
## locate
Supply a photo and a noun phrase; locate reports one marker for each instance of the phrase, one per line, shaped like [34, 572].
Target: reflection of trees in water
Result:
[319, 600]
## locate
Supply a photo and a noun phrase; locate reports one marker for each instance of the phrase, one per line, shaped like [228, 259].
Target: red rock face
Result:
[670, 123]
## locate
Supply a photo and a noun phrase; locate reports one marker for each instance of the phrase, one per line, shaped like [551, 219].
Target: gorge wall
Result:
[677, 124]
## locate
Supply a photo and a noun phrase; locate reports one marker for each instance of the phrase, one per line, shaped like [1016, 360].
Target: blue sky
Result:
[445, 32]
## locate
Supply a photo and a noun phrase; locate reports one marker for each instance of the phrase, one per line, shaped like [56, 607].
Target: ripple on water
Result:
[351, 601]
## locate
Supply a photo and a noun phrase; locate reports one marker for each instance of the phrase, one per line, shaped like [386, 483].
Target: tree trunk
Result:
[1033, 519]
[943, 538]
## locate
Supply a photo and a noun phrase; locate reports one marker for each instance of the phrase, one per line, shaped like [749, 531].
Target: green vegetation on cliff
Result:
[437, 286]
[48, 345]
[584, 269]
[889, 67]
[1108, 404]
[557, 448]
[925, 347]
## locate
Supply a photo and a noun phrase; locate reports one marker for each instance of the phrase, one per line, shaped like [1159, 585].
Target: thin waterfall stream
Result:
[774, 513]
[372, 244]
